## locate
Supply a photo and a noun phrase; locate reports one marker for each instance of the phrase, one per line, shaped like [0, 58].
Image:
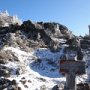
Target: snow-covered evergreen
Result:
[6, 19]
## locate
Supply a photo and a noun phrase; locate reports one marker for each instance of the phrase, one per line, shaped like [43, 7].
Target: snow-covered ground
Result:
[38, 68]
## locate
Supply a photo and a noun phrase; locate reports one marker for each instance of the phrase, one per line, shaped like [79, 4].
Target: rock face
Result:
[33, 35]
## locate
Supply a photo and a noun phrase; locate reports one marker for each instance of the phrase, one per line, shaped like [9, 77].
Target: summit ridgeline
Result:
[34, 34]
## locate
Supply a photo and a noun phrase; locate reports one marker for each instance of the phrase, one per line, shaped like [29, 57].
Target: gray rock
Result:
[8, 85]
[55, 87]
[4, 71]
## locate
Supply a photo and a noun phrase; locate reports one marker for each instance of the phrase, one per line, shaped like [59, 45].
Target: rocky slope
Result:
[34, 35]
[30, 54]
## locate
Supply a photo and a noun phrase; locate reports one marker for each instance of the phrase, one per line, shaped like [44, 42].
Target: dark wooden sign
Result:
[71, 68]
[78, 67]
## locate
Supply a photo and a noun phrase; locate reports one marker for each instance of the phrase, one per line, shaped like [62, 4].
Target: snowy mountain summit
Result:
[30, 53]
[6, 19]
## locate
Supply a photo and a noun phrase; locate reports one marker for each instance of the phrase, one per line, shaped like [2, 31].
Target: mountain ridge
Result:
[30, 54]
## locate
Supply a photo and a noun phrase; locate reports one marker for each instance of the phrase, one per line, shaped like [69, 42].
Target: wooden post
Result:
[70, 81]
[89, 30]
[71, 68]
[88, 69]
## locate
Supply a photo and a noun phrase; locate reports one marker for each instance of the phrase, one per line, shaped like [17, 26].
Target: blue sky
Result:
[75, 14]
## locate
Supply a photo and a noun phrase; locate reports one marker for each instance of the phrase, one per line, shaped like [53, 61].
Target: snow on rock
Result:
[45, 53]
[6, 19]
[45, 73]
[38, 69]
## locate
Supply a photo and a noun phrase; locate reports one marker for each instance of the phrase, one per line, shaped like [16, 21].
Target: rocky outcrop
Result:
[33, 35]
[4, 71]
[85, 43]
[46, 33]
[6, 56]
[8, 85]
[83, 86]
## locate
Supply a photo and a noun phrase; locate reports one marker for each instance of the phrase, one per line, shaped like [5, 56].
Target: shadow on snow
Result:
[46, 63]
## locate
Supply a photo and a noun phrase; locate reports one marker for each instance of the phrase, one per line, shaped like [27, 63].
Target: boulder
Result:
[83, 86]
[55, 87]
[8, 85]
[4, 71]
